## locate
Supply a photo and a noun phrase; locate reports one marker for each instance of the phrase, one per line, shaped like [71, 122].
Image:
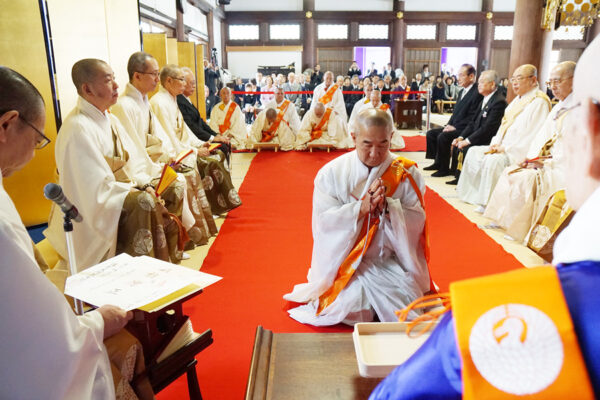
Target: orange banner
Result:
[317, 131]
[227, 123]
[516, 338]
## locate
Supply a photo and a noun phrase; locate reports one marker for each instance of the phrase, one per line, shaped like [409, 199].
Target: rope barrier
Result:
[343, 92]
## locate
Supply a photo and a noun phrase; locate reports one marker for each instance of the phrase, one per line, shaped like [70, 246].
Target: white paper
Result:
[132, 282]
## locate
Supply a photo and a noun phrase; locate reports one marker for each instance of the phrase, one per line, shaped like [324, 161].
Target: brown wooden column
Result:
[397, 36]
[528, 37]
[224, 31]
[308, 50]
[210, 31]
[593, 31]
[179, 27]
[486, 34]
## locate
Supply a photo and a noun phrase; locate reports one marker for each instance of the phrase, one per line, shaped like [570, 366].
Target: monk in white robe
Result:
[47, 351]
[216, 180]
[141, 125]
[359, 105]
[270, 127]
[522, 191]
[106, 183]
[227, 119]
[322, 126]
[523, 117]
[328, 94]
[290, 115]
[375, 103]
[365, 190]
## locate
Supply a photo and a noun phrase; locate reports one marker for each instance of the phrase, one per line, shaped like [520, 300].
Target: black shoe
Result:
[432, 167]
[452, 182]
[441, 173]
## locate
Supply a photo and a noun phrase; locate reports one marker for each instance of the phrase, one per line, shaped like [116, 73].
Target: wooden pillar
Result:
[484, 53]
[308, 50]
[593, 31]
[179, 27]
[528, 37]
[210, 31]
[398, 36]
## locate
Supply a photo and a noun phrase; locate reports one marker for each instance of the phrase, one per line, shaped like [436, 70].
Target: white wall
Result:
[245, 63]
[194, 18]
[265, 5]
[166, 7]
[504, 5]
[444, 5]
[355, 5]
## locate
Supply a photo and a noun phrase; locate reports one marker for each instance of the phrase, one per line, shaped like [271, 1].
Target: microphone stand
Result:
[68, 227]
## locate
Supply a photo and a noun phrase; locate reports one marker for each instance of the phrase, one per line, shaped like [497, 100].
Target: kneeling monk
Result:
[369, 254]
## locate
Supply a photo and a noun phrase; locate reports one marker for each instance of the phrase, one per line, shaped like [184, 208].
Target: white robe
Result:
[355, 111]
[237, 132]
[47, 351]
[397, 140]
[518, 198]
[393, 271]
[480, 171]
[337, 101]
[334, 131]
[291, 115]
[283, 135]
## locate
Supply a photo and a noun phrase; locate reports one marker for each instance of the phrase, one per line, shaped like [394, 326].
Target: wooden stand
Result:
[155, 330]
[312, 146]
[444, 103]
[413, 116]
[271, 146]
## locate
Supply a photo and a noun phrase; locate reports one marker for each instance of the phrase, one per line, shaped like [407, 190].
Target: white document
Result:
[131, 282]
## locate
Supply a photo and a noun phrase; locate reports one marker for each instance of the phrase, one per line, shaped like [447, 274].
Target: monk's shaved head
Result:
[20, 95]
[372, 117]
[527, 70]
[566, 68]
[319, 110]
[137, 63]
[86, 71]
[170, 71]
[271, 114]
[372, 134]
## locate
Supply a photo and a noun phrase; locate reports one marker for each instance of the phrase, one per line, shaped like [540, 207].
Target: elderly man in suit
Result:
[439, 140]
[484, 126]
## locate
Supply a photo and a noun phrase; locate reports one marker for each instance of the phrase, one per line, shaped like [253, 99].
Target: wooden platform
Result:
[268, 146]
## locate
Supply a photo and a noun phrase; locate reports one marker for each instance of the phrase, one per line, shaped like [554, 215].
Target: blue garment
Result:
[434, 371]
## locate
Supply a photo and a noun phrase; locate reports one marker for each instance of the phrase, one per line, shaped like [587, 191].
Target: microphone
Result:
[53, 192]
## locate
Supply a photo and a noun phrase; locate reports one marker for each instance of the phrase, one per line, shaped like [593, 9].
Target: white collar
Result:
[487, 98]
[165, 91]
[532, 92]
[467, 90]
[134, 93]
[91, 111]
[579, 240]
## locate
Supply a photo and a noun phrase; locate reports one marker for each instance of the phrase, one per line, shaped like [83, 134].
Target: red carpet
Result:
[264, 248]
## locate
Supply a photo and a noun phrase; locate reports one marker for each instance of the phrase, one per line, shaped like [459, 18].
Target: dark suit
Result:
[483, 127]
[210, 79]
[239, 98]
[316, 78]
[194, 121]
[438, 142]
[352, 72]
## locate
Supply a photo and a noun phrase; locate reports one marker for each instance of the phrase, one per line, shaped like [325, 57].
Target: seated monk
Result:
[280, 103]
[270, 127]
[227, 119]
[531, 333]
[330, 95]
[366, 99]
[397, 140]
[101, 174]
[369, 254]
[322, 125]
[220, 192]
[142, 126]
[523, 117]
[522, 191]
[48, 351]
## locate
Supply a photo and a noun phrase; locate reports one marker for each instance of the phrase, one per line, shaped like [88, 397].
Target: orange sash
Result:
[227, 123]
[317, 131]
[384, 107]
[516, 338]
[396, 173]
[327, 97]
[269, 134]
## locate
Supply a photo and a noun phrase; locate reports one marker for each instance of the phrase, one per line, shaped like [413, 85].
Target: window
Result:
[461, 32]
[503, 32]
[574, 32]
[281, 32]
[373, 31]
[243, 32]
[426, 32]
[325, 31]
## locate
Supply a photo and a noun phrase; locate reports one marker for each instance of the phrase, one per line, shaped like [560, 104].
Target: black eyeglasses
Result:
[154, 74]
[44, 141]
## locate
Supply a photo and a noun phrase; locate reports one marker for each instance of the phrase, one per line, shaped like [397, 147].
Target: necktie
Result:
[460, 94]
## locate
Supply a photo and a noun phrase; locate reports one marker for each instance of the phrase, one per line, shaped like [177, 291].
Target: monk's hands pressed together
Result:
[374, 201]
[115, 319]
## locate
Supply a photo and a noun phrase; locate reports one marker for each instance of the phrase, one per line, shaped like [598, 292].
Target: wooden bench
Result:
[444, 103]
[269, 146]
[312, 146]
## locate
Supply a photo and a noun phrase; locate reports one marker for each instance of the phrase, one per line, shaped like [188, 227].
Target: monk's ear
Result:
[7, 120]
[593, 122]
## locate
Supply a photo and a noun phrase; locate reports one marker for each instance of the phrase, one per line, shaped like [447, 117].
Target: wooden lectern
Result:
[155, 326]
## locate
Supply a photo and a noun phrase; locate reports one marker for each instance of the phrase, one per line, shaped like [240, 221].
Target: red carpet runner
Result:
[264, 248]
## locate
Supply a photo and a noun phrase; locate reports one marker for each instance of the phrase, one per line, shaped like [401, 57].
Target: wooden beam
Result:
[264, 48]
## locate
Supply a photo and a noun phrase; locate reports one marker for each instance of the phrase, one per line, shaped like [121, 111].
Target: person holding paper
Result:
[141, 125]
[101, 174]
[220, 192]
[47, 351]
[321, 125]
[370, 247]
[555, 357]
